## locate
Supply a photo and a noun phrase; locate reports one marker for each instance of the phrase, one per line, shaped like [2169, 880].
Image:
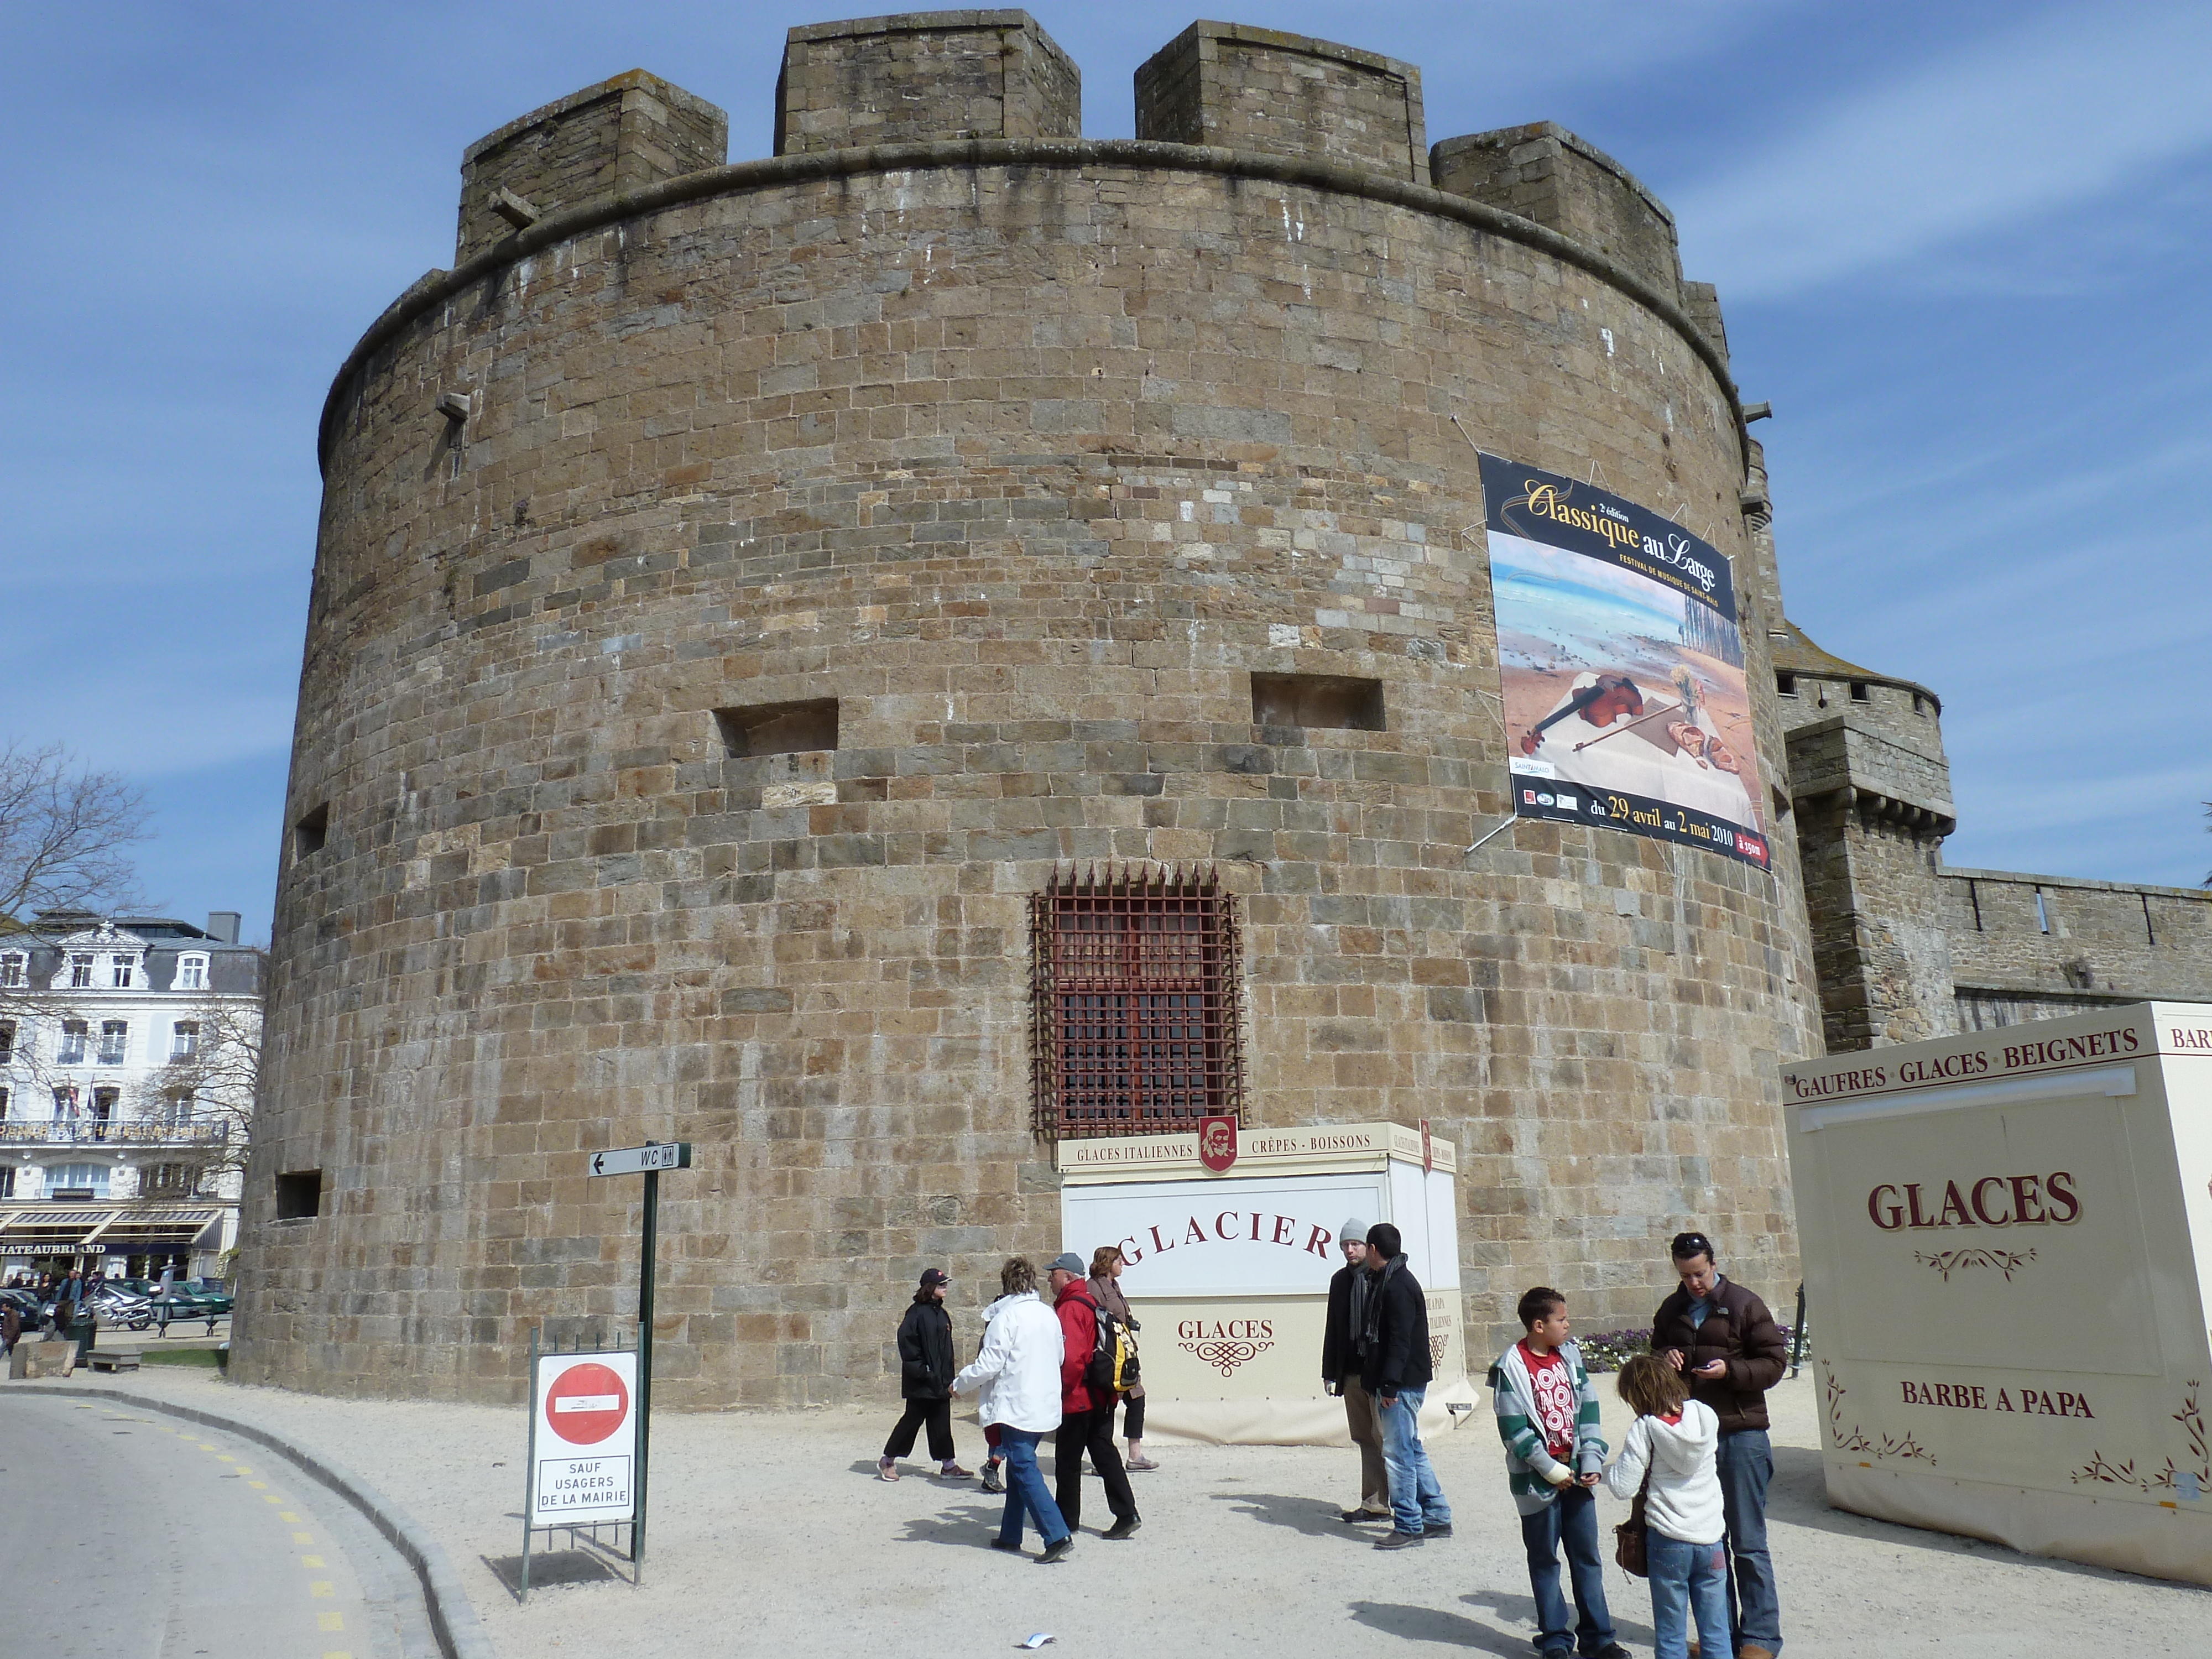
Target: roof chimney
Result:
[222, 925]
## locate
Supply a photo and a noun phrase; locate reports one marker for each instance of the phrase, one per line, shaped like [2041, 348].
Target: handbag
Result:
[1629, 1538]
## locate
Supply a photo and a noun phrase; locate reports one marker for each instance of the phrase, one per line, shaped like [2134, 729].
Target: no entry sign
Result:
[584, 1438]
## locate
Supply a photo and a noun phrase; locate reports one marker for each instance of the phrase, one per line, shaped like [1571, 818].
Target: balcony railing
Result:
[115, 1131]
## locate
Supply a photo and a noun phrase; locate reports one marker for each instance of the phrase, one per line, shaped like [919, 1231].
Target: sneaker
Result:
[990, 1481]
[1140, 1466]
[886, 1469]
[1123, 1529]
[1001, 1544]
[1398, 1540]
[1056, 1552]
[1353, 1517]
[1443, 1530]
[949, 1471]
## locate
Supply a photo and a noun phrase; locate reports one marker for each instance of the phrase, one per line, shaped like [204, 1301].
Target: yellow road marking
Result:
[225, 1457]
[285, 1515]
[303, 1538]
[331, 1620]
[338, 1655]
[319, 1587]
[259, 1485]
[271, 1498]
[313, 1561]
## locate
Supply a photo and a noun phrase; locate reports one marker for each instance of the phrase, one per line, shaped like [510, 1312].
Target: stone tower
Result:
[741, 589]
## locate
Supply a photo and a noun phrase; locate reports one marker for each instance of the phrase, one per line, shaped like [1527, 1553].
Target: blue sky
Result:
[1960, 248]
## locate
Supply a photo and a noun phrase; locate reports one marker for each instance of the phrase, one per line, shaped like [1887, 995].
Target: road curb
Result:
[454, 1621]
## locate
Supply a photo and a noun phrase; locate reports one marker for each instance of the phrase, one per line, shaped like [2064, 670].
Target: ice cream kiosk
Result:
[2008, 1237]
[1231, 1239]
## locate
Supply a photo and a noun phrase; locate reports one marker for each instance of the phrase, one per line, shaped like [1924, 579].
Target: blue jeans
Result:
[1417, 1501]
[1746, 1464]
[1026, 1489]
[1686, 1578]
[1571, 1518]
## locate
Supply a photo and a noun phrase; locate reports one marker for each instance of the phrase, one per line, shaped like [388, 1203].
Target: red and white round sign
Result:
[586, 1403]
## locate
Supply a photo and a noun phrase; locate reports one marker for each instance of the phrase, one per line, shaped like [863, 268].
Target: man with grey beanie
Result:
[1343, 1353]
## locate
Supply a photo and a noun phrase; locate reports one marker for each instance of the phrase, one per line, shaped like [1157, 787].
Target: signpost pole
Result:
[645, 1367]
[530, 1469]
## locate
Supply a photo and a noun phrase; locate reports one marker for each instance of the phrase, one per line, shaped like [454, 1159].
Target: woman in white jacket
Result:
[1675, 1442]
[1016, 1379]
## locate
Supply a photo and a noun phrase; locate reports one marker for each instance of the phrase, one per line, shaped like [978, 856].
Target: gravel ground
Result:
[769, 1534]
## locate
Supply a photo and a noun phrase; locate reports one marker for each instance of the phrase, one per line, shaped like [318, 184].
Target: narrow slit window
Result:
[778, 728]
[1327, 701]
[299, 1194]
[1860, 693]
[312, 832]
[1135, 1002]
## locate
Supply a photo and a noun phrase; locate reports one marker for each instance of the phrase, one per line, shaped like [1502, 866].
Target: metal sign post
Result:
[649, 1160]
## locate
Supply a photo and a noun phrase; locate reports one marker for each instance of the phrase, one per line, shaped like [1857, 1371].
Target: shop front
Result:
[1230, 1242]
[2007, 1240]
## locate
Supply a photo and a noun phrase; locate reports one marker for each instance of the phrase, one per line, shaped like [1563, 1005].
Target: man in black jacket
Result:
[926, 1374]
[1344, 1345]
[1396, 1370]
[1726, 1344]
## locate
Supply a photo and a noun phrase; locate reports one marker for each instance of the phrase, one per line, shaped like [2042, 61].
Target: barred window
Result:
[1135, 1001]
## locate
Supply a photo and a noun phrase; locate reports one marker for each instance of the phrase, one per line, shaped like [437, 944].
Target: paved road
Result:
[132, 1535]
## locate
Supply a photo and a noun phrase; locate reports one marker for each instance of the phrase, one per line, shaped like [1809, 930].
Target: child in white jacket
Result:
[1676, 1442]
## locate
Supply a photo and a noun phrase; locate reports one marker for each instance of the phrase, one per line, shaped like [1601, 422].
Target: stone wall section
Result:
[1542, 172]
[1272, 93]
[922, 75]
[2035, 946]
[624, 132]
[1030, 468]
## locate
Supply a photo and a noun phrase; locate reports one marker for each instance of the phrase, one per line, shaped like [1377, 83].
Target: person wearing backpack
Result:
[1086, 1402]
[1106, 1264]
[1673, 1455]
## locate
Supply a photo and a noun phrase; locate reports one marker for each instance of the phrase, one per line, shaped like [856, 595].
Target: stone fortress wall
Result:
[741, 588]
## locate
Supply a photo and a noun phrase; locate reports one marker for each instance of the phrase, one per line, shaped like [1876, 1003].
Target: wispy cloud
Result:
[2054, 113]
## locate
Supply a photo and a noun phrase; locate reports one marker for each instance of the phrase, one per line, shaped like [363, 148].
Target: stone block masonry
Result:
[617, 135]
[1274, 93]
[924, 75]
[1543, 172]
[1028, 457]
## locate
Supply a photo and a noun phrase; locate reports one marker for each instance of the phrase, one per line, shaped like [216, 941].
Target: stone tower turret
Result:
[742, 591]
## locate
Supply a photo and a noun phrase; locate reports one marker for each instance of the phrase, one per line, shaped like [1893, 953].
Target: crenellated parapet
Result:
[1542, 172]
[626, 132]
[1234, 87]
[924, 75]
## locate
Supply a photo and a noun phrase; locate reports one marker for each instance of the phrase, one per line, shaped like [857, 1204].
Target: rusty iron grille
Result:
[1135, 1001]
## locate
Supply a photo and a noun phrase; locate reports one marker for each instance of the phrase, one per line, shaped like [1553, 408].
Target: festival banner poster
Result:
[1621, 665]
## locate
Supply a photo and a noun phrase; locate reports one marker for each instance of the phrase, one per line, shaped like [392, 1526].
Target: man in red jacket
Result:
[1084, 1426]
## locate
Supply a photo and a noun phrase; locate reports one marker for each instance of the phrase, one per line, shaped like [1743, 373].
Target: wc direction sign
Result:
[584, 1438]
[638, 1160]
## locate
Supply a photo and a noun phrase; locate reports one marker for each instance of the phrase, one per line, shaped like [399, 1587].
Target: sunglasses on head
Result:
[1687, 1245]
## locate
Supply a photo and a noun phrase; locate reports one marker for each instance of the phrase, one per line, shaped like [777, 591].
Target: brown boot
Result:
[1753, 1651]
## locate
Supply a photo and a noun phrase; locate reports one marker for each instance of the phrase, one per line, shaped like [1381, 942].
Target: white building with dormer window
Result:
[128, 1050]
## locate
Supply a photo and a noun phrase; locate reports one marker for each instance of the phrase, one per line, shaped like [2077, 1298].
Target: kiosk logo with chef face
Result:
[1217, 1143]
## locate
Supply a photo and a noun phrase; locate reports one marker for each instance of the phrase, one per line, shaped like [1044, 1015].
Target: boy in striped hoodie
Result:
[1547, 1416]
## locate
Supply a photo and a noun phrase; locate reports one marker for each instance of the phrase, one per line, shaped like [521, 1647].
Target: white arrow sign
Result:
[636, 1160]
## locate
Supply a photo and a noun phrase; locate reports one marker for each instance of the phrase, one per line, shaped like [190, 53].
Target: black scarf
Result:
[1372, 1326]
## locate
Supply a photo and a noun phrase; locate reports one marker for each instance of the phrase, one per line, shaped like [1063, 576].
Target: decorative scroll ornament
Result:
[2192, 1483]
[1224, 1354]
[1948, 1262]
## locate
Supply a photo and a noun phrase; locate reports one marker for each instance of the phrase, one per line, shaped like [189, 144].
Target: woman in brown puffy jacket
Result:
[1106, 1265]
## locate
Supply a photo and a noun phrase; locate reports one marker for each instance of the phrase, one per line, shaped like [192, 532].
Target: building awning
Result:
[61, 1229]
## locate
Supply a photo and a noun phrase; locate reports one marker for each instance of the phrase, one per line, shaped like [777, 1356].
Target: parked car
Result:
[211, 1292]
